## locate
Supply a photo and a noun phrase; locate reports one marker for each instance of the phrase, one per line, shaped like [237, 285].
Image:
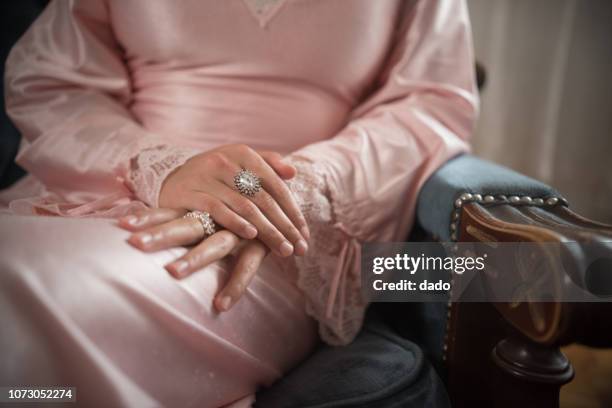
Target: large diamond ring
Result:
[247, 182]
[205, 220]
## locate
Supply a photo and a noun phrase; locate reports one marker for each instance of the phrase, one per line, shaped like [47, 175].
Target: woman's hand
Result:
[206, 183]
[162, 228]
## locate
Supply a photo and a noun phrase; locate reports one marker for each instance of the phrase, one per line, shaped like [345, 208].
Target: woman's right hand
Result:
[206, 183]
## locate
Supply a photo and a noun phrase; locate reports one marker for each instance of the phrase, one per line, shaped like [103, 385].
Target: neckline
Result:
[264, 10]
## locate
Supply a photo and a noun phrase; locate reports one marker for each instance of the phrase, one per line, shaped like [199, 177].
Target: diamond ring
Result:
[205, 220]
[247, 182]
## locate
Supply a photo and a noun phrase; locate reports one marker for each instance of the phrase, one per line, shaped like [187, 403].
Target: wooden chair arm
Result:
[500, 355]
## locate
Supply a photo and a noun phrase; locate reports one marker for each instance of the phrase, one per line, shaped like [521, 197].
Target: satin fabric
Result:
[201, 75]
[373, 95]
[80, 307]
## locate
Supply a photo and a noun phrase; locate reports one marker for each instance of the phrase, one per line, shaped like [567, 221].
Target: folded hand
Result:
[162, 228]
[206, 183]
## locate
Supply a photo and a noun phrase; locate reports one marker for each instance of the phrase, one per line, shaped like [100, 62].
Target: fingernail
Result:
[251, 231]
[305, 232]
[224, 303]
[179, 267]
[130, 220]
[301, 247]
[286, 249]
[145, 238]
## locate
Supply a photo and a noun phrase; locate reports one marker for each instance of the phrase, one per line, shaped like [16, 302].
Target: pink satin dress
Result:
[367, 98]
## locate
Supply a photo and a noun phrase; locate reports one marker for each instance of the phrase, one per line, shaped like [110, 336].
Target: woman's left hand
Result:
[162, 228]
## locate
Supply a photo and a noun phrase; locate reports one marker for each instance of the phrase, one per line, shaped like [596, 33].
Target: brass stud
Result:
[552, 201]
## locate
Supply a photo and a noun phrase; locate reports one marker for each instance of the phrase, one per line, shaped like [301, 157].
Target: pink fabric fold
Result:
[419, 116]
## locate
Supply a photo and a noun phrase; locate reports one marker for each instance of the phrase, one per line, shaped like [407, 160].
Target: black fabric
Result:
[423, 323]
[15, 18]
[380, 369]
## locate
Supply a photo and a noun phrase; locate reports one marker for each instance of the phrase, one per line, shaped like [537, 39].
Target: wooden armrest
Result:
[502, 355]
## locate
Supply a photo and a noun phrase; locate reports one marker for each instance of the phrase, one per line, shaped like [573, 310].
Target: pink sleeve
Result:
[67, 88]
[364, 182]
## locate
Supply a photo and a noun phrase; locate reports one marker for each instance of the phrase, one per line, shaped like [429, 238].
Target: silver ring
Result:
[247, 182]
[205, 220]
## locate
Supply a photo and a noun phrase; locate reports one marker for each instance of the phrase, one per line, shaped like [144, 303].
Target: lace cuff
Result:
[151, 166]
[329, 274]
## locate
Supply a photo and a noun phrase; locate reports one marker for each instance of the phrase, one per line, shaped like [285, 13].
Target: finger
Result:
[221, 214]
[280, 239]
[249, 260]
[267, 232]
[279, 191]
[149, 218]
[213, 248]
[178, 232]
[275, 160]
[273, 212]
[247, 158]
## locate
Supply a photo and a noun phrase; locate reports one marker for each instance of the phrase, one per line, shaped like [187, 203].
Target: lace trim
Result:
[329, 274]
[151, 166]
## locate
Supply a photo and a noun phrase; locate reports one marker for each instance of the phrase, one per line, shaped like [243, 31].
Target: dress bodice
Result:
[274, 74]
